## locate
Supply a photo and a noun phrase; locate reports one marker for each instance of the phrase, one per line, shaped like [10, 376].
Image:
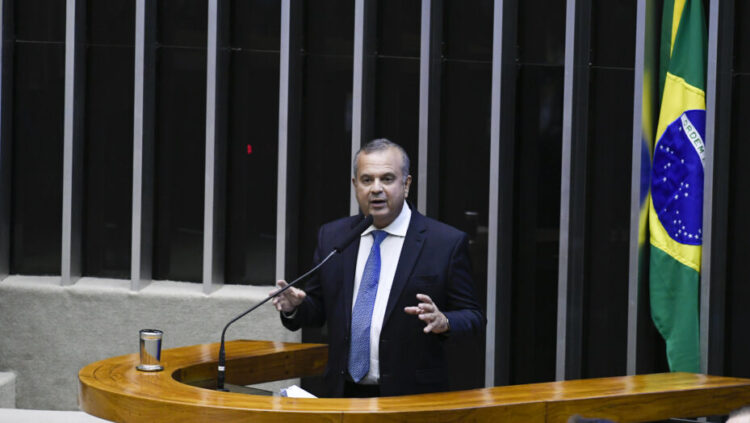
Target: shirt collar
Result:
[399, 225]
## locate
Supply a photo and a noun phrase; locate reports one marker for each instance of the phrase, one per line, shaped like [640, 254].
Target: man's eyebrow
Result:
[382, 175]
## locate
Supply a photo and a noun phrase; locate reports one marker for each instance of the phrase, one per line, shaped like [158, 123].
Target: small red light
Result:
[249, 149]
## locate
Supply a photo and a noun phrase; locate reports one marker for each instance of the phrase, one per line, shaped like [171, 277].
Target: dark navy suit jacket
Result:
[434, 261]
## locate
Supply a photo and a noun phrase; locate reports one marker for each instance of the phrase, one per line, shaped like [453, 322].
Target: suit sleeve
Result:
[311, 313]
[462, 309]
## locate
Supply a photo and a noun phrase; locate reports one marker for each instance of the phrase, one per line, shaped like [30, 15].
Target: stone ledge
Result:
[50, 331]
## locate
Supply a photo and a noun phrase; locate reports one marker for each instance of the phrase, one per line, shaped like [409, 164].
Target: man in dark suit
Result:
[392, 297]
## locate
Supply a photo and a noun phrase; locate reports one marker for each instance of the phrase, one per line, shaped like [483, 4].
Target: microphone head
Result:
[354, 233]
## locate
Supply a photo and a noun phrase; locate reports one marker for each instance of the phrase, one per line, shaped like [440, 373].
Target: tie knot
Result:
[378, 236]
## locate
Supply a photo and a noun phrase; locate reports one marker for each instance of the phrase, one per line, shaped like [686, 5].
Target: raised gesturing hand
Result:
[429, 313]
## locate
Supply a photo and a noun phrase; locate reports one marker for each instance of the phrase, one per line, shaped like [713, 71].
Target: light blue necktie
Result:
[359, 349]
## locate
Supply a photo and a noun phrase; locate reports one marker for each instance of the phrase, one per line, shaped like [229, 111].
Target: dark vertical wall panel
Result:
[541, 32]
[737, 343]
[180, 140]
[329, 27]
[608, 194]
[398, 28]
[325, 170]
[738, 290]
[467, 30]
[110, 23]
[465, 142]
[741, 38]
[108, 139]
[397, 106]
[182, 23]
[253, 142]
[536, 222]
[326, 147]
[255, 24]
[606, 299]
[396, 114]
[466, 86]
[39, 20]
[37, 136]
[613, 34]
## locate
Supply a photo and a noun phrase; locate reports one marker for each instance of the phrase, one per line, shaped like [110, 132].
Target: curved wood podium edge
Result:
[114, 390]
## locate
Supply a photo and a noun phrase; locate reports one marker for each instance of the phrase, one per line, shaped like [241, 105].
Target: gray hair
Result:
[381, 144]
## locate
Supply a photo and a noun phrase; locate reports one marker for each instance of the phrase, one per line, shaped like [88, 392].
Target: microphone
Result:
[353, 234]
[338, 248]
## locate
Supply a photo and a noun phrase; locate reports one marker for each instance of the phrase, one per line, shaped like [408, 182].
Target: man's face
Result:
[380, 185]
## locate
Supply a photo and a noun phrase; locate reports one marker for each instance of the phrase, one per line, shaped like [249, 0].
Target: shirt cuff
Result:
[291, 315]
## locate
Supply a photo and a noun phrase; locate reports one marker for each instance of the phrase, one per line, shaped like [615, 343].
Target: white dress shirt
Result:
[390, 251]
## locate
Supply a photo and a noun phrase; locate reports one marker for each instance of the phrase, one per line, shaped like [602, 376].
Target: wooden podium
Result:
[113, 389]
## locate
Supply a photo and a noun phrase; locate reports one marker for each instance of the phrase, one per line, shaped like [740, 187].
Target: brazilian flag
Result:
[676, 208]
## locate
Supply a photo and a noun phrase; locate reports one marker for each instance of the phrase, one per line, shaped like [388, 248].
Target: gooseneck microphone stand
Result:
[222, 357]
[355, 232]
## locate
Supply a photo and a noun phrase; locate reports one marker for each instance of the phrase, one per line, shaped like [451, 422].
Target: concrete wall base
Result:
[49, 332]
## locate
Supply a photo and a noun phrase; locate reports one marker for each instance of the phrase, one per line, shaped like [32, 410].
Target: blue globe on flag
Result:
[677, 182]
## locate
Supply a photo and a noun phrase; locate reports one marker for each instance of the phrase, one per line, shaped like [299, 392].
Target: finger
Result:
[298, 293]
[280, 284]
[424, 298]
[427, 307]
[412, 310]
[428, 328]
[292, 294]
[428, 317]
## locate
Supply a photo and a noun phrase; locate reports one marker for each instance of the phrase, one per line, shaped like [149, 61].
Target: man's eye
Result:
[366, 180]
[388, 179]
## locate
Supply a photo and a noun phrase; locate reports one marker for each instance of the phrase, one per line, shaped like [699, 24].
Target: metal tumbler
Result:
[150, 342]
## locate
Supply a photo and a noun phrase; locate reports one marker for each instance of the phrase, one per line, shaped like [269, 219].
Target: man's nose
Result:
[377, 186]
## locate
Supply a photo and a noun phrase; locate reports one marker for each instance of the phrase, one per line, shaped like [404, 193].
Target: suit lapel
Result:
[413, 243]
[349, 260]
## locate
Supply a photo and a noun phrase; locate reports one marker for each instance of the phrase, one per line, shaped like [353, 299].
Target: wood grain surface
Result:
[113, 389]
